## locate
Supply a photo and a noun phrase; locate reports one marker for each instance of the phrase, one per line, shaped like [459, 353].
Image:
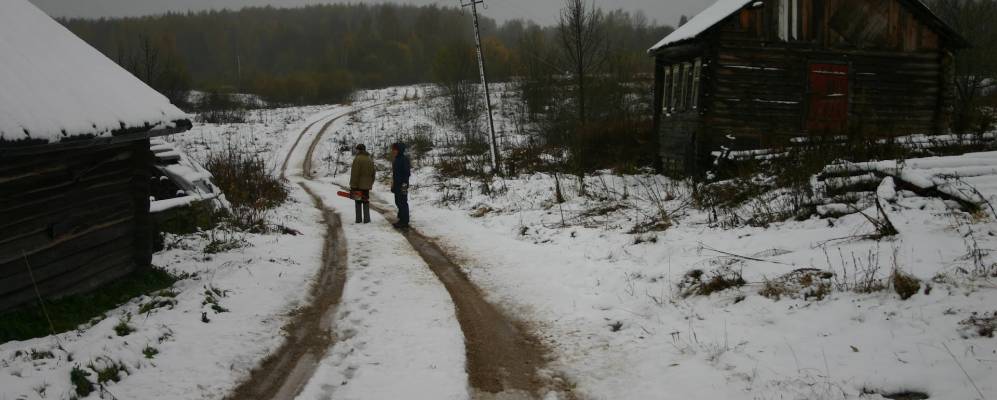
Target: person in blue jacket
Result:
[401, 169]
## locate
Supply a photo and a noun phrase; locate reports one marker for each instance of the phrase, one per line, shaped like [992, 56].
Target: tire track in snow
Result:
[297, 141]
[397, 329]
[310, 332]
[285, 372]
[503, 358]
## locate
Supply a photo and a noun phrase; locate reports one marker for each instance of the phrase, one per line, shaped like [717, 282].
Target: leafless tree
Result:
[148, 59]
[583, 41]
[455, 72]
[976, 67]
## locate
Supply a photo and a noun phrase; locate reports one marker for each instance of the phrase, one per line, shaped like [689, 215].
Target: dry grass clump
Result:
[906, 285]
[698, 283]
[806, 283]
[982, 325]
[900, 395]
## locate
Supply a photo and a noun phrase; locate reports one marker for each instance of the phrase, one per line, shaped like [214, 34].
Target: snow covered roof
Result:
[722, 9]
[702, 21]
[54, 86]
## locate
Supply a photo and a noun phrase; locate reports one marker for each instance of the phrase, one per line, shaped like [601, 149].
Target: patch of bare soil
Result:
[503, 358]
[309, 334]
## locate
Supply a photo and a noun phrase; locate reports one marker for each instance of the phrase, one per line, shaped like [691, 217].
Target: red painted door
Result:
[828, 102]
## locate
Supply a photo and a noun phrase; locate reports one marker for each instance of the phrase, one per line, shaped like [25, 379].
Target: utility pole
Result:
[484, 81]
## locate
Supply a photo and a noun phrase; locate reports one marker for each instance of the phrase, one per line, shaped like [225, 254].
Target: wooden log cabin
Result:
[751, 74]
[75, 161]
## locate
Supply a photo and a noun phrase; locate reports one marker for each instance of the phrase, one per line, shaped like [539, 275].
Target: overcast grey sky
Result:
[543, 11]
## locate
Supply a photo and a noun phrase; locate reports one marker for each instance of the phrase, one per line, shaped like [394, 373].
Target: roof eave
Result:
[681, 49]
[655, 51]
[179, 127]
[944, 30]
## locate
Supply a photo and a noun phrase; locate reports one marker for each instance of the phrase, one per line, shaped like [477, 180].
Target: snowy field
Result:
[608, 296]
[816, 318]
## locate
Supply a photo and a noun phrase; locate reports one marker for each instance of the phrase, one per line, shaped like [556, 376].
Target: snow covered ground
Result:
[612, 308]
[397, 331]
[602, 290]
[257, 282]
[610, 301]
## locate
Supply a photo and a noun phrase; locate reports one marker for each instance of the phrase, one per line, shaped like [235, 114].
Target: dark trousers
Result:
[363, 207]
[401, 201]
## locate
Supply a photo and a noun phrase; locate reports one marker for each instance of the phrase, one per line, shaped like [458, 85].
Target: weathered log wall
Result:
[897, 84]
[759, 93]
[755, 88]
[79, 218]
[680, 141]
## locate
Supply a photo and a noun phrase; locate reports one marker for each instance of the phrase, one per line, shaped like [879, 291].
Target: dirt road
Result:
[309, 333]
[503, 358]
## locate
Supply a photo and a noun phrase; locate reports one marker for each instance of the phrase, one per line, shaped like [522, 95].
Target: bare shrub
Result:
[619, 145]
[526, 159]
[664, 210]
[186, 220]
[221, 241]
[249, 185]
[729, 193]
[461, 165]
[859, 273]
[220, 108]
[975, 254]
[421, 142]
[753, 199]
[455, 74]
[973, 111]
[232, 116]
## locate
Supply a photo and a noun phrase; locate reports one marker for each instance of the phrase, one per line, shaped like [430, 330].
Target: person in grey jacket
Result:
[361, 181]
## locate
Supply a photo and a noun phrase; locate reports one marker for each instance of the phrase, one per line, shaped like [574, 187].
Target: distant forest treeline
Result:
[320, 54]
